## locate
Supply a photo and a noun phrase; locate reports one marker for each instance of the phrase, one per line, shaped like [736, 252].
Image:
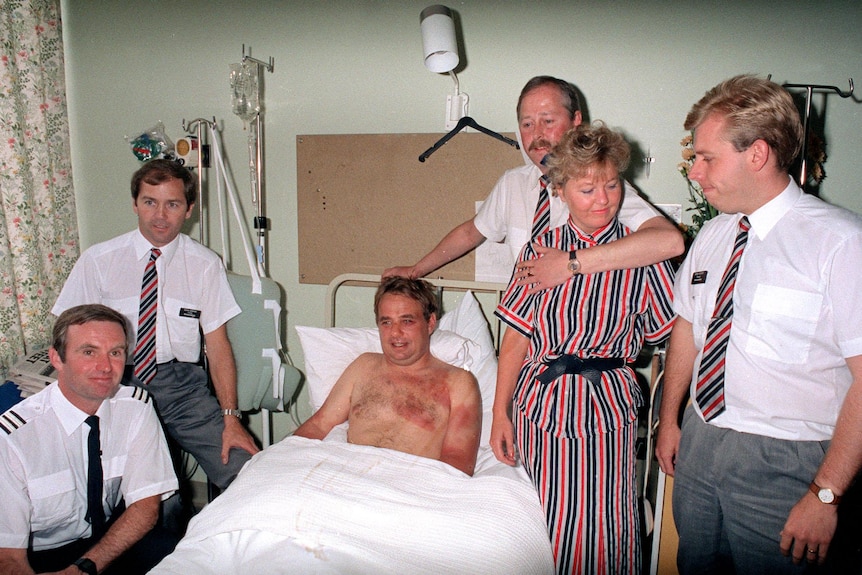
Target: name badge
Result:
[193, 313]
[698, 278]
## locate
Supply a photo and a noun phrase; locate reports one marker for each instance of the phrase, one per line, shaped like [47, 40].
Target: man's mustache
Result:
[536, 144]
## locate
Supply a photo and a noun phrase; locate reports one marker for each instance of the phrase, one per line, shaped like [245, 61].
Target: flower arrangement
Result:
[703, 210]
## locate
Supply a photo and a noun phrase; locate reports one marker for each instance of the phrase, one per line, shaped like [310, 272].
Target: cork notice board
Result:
[366, 202]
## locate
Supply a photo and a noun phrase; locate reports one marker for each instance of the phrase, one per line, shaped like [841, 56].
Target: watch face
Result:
[826, 495]
[574, 266]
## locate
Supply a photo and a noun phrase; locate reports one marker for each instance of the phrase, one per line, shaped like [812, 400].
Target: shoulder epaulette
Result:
[10, 421]
[141, 393]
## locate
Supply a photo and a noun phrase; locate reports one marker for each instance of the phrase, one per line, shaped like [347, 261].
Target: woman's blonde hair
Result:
[585, 147]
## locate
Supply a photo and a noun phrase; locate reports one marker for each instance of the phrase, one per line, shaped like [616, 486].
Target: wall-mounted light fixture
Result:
[440, 50]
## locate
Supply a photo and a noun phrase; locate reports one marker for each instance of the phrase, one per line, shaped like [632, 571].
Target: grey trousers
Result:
[191, 415]
[732, 495]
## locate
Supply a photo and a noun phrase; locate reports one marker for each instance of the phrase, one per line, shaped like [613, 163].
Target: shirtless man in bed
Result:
[405, 398]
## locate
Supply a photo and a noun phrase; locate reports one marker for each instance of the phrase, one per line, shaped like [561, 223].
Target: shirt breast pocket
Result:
[783, 323]
[128, 306]
[53, 500]
[183, 321]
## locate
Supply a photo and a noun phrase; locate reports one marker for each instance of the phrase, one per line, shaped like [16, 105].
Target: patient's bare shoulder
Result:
[366, 361]
[458, 379]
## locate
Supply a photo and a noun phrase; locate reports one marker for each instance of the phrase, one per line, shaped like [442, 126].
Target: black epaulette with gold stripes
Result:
[10, 421]
[141, 393]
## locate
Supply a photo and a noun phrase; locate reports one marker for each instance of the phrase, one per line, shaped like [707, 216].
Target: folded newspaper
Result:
[33, 373]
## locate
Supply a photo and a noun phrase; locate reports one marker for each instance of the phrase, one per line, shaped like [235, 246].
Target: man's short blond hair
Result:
[753, 109]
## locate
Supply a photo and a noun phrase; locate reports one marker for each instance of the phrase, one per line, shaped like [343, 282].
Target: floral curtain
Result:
[38, 227]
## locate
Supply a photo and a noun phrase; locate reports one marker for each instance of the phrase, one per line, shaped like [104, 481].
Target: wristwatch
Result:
[824, 494]
[574, 264]
[86, 566]
[234, 412]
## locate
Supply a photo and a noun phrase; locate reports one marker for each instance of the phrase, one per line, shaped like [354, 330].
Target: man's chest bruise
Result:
[423, 404]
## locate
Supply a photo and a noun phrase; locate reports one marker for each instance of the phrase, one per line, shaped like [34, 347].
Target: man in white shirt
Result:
[547, 108]
[47, 522]
[193, 296]
[764, 458]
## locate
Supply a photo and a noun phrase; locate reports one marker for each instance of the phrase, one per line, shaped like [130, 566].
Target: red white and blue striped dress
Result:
[577, 440]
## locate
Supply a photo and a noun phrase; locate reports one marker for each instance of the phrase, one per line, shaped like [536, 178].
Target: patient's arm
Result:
[461, 443]
[336, 408]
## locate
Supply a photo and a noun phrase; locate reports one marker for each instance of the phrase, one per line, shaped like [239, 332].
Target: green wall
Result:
[346, 66]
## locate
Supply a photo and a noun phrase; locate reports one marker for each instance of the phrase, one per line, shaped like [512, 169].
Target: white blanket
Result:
[304, 506]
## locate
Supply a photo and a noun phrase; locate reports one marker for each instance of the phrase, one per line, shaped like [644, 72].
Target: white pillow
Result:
[468, 321]
[462, 338]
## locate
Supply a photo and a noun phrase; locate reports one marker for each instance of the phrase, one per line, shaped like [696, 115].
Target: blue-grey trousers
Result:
[732, 495]
[191, 415]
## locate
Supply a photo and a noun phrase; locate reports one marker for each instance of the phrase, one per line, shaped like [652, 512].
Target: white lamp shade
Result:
[439, 46]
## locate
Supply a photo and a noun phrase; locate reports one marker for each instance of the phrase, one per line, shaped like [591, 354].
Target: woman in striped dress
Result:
[566, 401]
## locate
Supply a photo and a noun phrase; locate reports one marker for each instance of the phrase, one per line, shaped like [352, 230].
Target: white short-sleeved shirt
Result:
[43, 464]
[507, 213]
[193, 289]
[796, 313]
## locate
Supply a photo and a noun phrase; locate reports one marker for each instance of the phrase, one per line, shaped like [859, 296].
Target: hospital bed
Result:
[306, 506]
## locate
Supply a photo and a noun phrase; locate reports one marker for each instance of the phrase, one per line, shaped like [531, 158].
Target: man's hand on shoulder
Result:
[549, 270]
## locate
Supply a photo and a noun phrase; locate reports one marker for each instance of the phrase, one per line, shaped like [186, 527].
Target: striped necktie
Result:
[95, 511]
[145, 349]
[542, 217]
[709, 391]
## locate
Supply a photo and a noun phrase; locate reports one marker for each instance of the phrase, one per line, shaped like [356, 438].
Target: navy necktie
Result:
[95, 509]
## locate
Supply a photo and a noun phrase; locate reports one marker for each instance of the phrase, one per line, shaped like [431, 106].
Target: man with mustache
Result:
[547, 108]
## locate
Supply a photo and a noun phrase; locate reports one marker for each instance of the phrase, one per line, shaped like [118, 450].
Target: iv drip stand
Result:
[256, 162]
[803, 168]
[203, 162]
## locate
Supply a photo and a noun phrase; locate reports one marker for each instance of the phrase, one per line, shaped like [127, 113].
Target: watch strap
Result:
[574, 265]
[86, 565]
[234, 412]
[816, 489]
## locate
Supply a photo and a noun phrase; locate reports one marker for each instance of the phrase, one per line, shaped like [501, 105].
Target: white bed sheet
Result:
[320, 507]
[305, 506]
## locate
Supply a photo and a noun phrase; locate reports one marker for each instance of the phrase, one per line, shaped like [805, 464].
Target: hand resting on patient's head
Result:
[405, 398]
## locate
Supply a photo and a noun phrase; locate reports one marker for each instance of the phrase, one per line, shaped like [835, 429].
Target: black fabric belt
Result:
[590, 368]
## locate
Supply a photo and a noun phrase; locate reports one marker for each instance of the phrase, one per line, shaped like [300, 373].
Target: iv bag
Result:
[245, 100]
